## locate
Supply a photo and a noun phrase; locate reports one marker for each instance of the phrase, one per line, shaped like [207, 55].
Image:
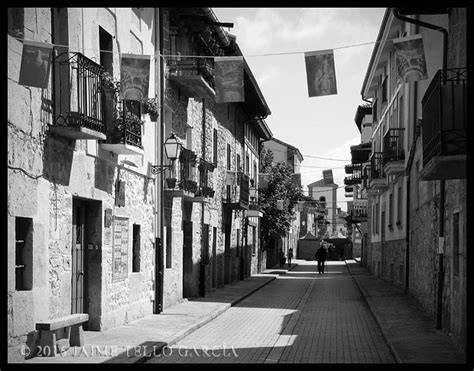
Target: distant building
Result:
[290, 155]
[325, 192]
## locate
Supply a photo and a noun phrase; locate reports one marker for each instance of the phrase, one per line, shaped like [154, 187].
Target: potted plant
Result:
[151, 107]
[207, 191]
[129, 122]
[188, 185]
[110, 86]
[171, 183]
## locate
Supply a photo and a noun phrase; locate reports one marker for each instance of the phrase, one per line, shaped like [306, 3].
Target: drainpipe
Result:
[159, 133]
[439, 300]
[202, 265]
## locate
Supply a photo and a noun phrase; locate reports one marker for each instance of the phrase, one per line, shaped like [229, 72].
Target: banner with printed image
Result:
[35, 64]
[410, 57]
[320, 73]
[134, 76]
[229, 78]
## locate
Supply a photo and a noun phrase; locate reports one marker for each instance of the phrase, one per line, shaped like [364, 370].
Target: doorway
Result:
[227, 253]
[86, 260]
[188, 286]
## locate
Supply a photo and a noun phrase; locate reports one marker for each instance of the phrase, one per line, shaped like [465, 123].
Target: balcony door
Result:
[79, 259]
[382, 243]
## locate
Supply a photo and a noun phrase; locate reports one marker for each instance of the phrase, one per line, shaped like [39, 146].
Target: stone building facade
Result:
[80, 209]
[91, 227]
[210, 239]
[427, 255]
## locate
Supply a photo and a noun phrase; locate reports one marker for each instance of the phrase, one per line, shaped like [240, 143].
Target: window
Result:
[254, 239]
[417, 185]
[400, 113]
[169, 248]
[390, 210]
[400, 274]
[136, 248]
[377, 211]
[400, 203]
[374, 110]
[455, 237]
[16, 22]
[254, 175]
[229, 158]
[23, 254]
[205, 244]
[105, 45]
[385, 89]
[247, 164]
[238, 163]
[214, 142]
[322, 201]
[237, 249]
[373, 219]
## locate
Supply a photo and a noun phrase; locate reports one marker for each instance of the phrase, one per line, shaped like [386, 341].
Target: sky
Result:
[318, 126]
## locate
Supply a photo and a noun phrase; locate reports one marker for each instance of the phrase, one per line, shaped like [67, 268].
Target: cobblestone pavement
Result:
[301, 317]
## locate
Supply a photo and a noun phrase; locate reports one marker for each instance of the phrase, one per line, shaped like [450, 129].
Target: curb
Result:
[376, 316]
[209, 318]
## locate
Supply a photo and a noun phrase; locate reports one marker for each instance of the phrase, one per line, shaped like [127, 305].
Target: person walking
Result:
[321, 256]
[290, 256]
[282, 258]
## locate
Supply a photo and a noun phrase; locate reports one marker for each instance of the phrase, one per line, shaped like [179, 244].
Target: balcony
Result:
[352, 180]
[195, 76]
[237, 191]
[125, 136]
[378, 180]
[349, 169]
[79, 100]
[204, 191]
[360, 153]
[393, 152]
[254, 211]
[186, 186]
[444, 110]
[359, 213]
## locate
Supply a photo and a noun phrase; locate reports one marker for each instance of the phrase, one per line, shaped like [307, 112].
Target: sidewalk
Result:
[411, 335]
[137, 341]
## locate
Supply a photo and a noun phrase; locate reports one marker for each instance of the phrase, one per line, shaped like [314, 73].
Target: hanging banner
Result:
[328, 177]
[35, 64]
[229, 77]
[320, 73]
[134, 76]
[410, 57]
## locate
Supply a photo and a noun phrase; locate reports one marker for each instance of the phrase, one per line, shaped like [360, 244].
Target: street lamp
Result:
[172, 149]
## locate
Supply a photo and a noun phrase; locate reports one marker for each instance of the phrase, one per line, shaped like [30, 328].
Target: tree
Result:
[277, 198]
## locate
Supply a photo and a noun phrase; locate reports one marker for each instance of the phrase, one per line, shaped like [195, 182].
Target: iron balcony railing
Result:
[187, 162]
[393, 145]
[365, 176]
[80, 102]
[127, 126]
[444, 110]
[349, 169]
[205, 186]
[376, 166]
[351, 180]
[194, 66]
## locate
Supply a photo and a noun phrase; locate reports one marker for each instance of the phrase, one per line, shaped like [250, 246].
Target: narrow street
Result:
[299, 317]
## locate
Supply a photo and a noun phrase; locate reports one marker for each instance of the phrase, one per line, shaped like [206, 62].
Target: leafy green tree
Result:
[277, 198]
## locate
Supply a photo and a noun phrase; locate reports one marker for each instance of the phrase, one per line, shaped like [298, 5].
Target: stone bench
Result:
[58, 334]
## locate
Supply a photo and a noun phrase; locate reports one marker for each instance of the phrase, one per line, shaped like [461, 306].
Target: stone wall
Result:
[455, 287]
[46, 174]
[395, 253]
